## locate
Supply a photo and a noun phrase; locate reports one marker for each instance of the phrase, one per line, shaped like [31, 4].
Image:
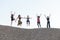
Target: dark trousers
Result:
[28, 22]
[48, 24]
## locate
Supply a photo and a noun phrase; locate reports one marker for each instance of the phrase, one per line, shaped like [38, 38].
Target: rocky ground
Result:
[10, 33]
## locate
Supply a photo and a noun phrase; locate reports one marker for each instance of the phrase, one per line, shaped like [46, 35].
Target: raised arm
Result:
[14, 13]
[40, 15]
[49, 15]
[45, 16]
[11, 12]
[36, 15]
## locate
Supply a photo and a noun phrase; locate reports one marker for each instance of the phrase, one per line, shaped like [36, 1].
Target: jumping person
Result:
[12, 18]
[28, 20]
[19, 20]
[48, 21]
[38, 21]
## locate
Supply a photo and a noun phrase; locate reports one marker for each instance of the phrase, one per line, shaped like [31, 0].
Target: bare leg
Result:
[11, 23]
[28, 23]
[38, 25]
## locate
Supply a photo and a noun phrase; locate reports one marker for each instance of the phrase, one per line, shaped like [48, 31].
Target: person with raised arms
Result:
[12, 17]
[38, 21]
[48, 20]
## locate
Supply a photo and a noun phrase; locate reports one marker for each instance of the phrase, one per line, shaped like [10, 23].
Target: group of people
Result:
[28, 20]
[19, 19]
[47, 18]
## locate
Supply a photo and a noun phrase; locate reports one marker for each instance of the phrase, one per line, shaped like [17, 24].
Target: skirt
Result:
[19, 22]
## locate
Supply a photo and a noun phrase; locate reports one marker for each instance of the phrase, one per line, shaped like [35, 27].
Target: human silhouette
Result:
[28, 20]
[48, 21]
[38, 21]
[12, 18]
[19, 20]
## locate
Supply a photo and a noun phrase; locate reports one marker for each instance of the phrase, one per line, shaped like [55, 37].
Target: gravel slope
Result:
[10, 33]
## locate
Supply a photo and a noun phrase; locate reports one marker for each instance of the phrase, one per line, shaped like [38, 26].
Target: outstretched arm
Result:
[16, 19]
[24, 17]
[30, 17]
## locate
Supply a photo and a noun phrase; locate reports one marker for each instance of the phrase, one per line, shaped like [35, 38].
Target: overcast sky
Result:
[31, 8]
